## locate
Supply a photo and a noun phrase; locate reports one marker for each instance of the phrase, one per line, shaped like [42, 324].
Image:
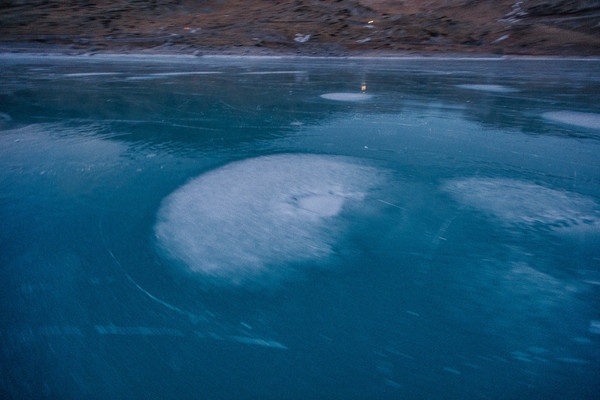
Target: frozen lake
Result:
[292, 228]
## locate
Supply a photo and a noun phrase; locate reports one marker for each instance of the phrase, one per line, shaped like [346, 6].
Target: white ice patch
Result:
[250, 218]
[518, 202]
[346, 96]
[488, 88]
[581, 119]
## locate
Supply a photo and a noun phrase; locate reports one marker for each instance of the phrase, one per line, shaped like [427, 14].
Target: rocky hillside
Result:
[310, 27]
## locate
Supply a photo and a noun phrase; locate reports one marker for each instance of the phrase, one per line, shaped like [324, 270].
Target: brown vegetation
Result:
[309, 27]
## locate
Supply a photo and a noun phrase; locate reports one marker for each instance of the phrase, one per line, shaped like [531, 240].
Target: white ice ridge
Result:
[518, 202]
[249, 219]
[346, 96]
[488, 88]
[582, 119]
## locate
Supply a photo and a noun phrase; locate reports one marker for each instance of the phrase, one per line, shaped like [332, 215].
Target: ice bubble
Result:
[488, 88]
[249, 219]
[581, 119]
[346, 96]
[518, 202]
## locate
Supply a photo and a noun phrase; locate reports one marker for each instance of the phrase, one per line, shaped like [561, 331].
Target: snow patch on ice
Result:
[346, 96]
[581, 119]
[488, 88]
[518, 202]
[250, 218]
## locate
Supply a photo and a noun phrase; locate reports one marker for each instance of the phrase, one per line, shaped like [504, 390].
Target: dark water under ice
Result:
[239, 228]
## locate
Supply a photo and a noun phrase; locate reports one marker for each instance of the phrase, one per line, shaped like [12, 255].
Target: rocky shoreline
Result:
[303, 27]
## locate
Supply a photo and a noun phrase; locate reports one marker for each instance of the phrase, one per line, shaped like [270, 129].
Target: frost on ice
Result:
[247, 220]
[518, 202]
[488, 88]
[575, 118]
[346, 96]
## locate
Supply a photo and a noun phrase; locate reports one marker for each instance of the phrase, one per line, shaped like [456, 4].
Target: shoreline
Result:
[27, 49]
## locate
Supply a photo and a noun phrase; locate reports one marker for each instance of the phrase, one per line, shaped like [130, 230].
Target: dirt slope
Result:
[319, 27]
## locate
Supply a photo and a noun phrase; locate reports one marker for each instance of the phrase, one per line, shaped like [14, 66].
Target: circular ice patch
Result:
[488, 88]
[581, 119]
[517, 202]
[346, 96]
[250, 218]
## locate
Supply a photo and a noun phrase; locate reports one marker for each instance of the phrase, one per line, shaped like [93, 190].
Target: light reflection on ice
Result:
[249, 218]
[346, 96]
[518, 202]
[581, 119]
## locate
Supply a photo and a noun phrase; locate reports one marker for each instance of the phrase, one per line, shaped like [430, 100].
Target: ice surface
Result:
[326, 205]
[249, 218]
[519, 202]
[136, 330]
[572, 360]
[259, 342]
[452, 371]
[346, 96]
[488, 88]
[170, 74]
[581, 119]
[86, 74]
[273, 72]
[83, 181]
